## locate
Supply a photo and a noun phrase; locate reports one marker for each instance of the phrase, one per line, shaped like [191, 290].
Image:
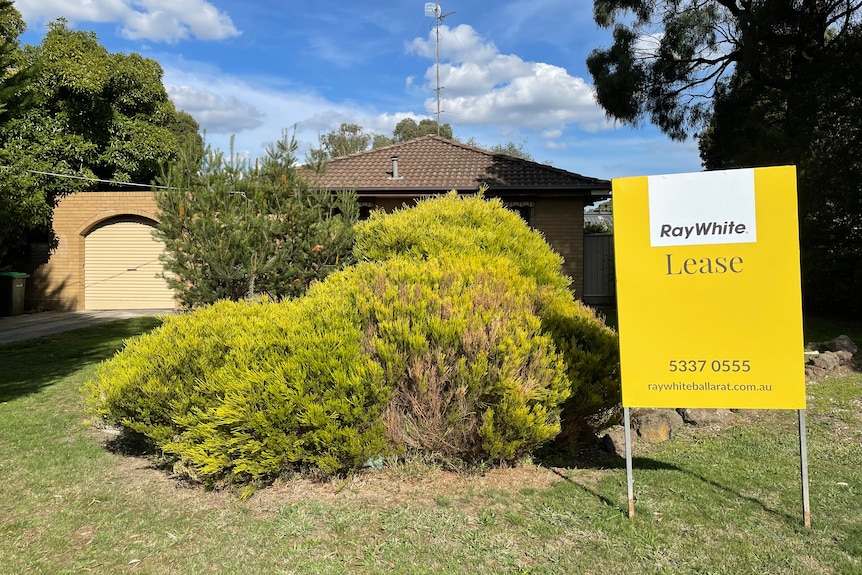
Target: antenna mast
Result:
[433, 9]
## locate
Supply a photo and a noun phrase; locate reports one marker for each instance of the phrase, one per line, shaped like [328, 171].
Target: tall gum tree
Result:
[670, 57]
[759, 83]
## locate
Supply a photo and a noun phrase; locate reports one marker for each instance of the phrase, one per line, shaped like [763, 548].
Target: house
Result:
[106, 256]
[549, 199]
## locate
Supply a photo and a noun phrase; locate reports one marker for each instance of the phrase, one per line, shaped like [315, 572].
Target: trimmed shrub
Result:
[445, 356]
[248, 390]
[454, 227]
[461, 341]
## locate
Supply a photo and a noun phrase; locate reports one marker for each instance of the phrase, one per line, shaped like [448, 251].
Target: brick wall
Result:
[561, 220]
[59, 284]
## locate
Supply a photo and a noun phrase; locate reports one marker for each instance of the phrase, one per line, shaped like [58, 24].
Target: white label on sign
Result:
[702, 208]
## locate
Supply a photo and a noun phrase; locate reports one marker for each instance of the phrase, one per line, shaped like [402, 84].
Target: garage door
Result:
[121, 268]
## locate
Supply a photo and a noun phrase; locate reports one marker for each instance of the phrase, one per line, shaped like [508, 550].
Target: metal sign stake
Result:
[629, 477]
[803, 456]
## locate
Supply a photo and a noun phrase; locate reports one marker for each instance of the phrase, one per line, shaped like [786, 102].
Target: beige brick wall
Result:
[561, 220]
[59, 284]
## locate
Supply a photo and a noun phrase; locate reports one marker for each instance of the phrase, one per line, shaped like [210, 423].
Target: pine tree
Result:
[233, 231]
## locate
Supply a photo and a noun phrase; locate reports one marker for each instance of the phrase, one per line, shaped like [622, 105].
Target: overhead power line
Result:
[85, 178]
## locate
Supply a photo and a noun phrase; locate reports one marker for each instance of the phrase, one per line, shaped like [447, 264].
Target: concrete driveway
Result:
[29, 326]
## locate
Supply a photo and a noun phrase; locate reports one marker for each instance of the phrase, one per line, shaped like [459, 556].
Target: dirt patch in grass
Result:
[383, 489]
[387, 488]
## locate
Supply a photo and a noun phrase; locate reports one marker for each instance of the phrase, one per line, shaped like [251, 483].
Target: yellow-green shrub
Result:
[454, 227]
[445, 356]
[461, 347]
[461, 339]
[248, 390]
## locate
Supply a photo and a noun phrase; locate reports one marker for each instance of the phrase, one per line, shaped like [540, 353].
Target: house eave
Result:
[590, 192]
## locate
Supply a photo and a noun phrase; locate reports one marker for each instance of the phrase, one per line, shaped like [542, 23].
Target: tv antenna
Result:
[433, 10]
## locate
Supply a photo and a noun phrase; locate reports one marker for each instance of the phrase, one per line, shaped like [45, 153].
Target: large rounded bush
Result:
[444, 356]
[456, 335]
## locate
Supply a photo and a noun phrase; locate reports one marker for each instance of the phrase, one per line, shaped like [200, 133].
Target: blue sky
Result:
[511, 70]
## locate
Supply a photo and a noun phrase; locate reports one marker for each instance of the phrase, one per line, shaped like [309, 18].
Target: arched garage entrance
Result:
[122, 267]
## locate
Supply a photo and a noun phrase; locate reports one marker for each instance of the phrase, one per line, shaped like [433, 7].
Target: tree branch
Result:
[732, 7]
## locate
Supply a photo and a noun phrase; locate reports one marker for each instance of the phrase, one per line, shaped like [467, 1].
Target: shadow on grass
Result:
[641, 464]
[30, 366]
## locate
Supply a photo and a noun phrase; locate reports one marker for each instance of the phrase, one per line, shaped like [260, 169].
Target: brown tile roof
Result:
[433, 163]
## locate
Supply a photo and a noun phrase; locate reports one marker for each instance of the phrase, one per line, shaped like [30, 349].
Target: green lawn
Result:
[720, 502]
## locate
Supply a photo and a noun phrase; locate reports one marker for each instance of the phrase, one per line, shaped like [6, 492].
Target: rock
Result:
[814, 372]
[842, 343]
[707, 417]
[614, 440]
[844, 356]
[656, 425]
[826, 360]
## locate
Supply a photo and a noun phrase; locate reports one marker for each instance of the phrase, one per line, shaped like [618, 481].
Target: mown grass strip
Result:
[707, 502]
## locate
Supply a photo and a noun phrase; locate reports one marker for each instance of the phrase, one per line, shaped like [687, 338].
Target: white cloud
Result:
[460, 44]
[158, 20]
[255, 113]
[216, 114]
[482, 86]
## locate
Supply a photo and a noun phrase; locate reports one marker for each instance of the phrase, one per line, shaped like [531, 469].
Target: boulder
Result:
[826, 361]
[840, 343]
[655, 425]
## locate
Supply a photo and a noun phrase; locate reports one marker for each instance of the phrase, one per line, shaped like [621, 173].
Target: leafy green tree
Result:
[348, 139]
[818, 127]
[508, 149]
[381, 140]
[232, 231]
[19, 205]
[13, 76]
[670, 58]
[512, 149]
[408, 129]
[86, 114]
[764, 83]
[187, 132]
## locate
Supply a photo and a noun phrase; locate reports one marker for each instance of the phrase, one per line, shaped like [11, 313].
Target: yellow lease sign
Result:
[708, 290]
